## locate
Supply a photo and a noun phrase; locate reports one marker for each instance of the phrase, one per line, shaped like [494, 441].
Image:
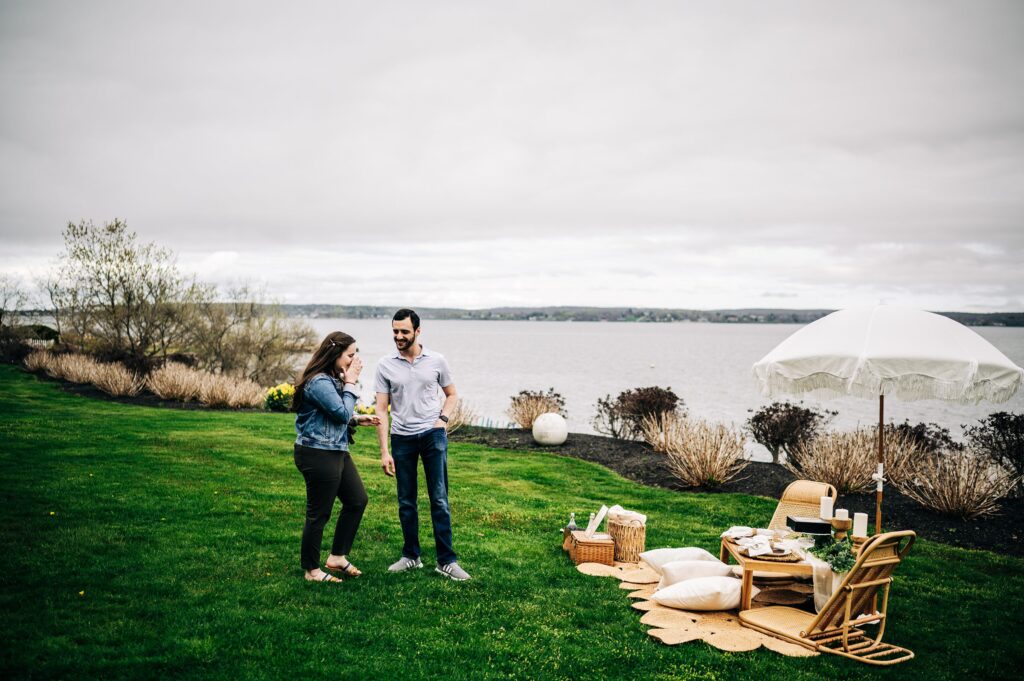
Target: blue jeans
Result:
[432, 446]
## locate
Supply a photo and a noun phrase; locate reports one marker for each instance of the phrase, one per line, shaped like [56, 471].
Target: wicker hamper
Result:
[591, 550]
[629, 541]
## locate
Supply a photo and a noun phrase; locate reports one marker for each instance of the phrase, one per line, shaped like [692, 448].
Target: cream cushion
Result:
[702, 593]
[659, 557]
[682, 570]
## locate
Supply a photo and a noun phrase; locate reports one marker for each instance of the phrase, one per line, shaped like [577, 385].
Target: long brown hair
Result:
[322, 362]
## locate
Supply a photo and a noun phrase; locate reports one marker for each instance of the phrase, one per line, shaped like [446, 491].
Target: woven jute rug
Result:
[634, 573]
[674, 627]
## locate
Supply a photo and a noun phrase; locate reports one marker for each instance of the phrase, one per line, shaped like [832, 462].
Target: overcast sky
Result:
[476, 154]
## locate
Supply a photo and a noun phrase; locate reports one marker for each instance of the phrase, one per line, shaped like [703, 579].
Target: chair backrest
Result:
[801, 498]
[872, 573]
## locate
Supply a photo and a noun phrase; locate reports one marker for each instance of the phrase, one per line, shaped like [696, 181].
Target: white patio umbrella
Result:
[888, 350]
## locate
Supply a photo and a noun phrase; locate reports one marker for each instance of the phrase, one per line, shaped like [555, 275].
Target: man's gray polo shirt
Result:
[414, 389]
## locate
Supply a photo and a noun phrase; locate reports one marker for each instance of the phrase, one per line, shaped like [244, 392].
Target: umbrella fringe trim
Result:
[906, 388]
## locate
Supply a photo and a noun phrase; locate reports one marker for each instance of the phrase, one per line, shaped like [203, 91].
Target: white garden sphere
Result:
[550, 429]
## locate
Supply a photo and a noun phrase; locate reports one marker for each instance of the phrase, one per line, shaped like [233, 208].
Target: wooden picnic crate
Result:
[583, 549]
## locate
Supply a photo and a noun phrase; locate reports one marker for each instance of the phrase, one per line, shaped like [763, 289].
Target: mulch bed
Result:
[637, 462]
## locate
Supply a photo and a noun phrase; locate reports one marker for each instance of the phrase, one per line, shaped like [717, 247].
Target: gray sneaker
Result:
[404, 564]
[453, 571]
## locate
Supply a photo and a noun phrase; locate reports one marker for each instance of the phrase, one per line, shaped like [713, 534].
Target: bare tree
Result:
[13, 299]
[122, 299]
[247, 336]
[71, 315]
[116, 296]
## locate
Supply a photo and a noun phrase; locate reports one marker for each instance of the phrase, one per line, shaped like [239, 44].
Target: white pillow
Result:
[703, 593]
[682, 570]
[659, 557]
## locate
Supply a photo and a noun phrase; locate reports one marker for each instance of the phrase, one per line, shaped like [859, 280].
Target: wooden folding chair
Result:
[836, 629]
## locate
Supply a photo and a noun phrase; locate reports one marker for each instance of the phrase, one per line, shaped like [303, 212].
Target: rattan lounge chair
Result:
[801, 498]
[836, 629]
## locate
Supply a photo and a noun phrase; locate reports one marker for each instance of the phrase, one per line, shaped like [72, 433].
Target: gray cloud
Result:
[699, 153]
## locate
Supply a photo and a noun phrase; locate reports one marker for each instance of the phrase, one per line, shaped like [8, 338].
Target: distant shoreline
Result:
[621, 314]
[641, 315]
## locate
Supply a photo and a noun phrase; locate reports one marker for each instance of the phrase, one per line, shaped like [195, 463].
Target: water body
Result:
[707, 365]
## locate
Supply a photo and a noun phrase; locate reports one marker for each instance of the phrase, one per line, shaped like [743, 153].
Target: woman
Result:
[324, 403]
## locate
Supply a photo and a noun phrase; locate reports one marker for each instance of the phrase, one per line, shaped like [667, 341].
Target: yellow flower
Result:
[81, 593]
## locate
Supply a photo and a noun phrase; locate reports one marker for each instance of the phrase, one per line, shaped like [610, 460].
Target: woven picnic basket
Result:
[629, 541]
[591, 550]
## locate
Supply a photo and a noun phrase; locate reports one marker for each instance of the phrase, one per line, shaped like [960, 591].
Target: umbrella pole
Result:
[881, 462]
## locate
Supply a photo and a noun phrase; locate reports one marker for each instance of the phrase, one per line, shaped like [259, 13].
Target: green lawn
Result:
[140, 542]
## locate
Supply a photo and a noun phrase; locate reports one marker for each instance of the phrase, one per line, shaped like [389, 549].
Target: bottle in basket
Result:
[568, 529]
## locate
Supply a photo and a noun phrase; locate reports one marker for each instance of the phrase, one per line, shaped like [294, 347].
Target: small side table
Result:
[750, 565]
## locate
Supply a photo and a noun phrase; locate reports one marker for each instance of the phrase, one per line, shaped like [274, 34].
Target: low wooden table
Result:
[749, 565]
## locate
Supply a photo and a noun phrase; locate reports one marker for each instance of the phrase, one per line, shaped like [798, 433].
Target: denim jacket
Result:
[322, 420]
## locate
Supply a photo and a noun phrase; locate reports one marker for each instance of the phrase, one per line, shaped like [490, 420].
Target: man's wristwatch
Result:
[443, 418]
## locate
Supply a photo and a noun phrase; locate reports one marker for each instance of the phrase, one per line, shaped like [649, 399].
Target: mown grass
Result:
[142, 542]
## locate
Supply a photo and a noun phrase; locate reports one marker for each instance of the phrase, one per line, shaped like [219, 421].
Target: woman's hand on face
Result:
[354, 369]
[368, 419]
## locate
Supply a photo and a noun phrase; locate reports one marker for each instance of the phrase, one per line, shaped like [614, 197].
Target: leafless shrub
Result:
[903, 454]
[659, 430]
[463, 415]
[215, 391]
[40, 360]
[117, 380]
[847, 460]
[176, 382]
[74, 368]
[528, 405]
[247, 394]
[959, 483]
[705, 454]
[225, 391]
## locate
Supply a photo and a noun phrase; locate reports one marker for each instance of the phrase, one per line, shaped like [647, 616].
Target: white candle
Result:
[825, 508]
[860, 524]
[842, 514]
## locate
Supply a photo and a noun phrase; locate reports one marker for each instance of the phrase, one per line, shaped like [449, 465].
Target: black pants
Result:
[329, 474]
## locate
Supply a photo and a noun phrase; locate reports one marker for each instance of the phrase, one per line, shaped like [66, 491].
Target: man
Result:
[409, 380]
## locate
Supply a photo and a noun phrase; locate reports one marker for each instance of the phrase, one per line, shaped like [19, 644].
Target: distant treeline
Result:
[622, 314]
